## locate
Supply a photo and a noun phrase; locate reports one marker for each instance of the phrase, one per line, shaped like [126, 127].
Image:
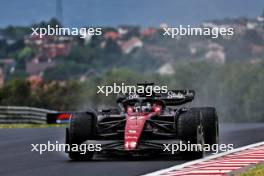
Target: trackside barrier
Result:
[21, 114]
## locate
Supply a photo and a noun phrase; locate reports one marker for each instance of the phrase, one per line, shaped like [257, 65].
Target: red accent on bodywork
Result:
[64, 116]
[135, 122]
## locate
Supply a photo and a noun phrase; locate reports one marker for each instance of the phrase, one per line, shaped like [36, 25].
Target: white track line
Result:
[178, 167]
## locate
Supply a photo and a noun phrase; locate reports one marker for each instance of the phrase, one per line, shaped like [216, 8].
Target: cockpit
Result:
[138, 105]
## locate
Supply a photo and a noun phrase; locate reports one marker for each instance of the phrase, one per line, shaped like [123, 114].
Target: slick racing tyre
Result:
[190, 130]
[210, 125]
[82, 127]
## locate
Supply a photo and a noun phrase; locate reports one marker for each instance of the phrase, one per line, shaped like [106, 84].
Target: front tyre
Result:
[190, 130]
[82, 127]
[210, 124]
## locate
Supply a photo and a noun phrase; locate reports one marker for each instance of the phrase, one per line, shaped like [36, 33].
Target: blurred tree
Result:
[16, 93]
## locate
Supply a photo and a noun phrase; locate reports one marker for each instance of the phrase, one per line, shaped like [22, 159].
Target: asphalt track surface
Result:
[16, 158]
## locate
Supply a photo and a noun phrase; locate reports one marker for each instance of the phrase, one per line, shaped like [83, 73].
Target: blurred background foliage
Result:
[236, 90]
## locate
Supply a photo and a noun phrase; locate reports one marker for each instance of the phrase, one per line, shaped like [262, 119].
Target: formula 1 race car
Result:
[144, 125]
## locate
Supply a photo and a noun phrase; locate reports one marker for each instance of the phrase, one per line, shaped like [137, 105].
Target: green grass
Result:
[31, 125]
[257, 170]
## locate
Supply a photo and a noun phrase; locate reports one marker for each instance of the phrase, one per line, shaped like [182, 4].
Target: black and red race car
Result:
[144, 125]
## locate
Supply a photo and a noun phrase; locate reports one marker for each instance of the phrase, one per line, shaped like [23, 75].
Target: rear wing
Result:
[176, 97]
[170, 98]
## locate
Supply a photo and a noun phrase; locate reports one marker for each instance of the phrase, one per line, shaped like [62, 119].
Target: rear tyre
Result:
[190, 130]
[210, 124]
[82, 127]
